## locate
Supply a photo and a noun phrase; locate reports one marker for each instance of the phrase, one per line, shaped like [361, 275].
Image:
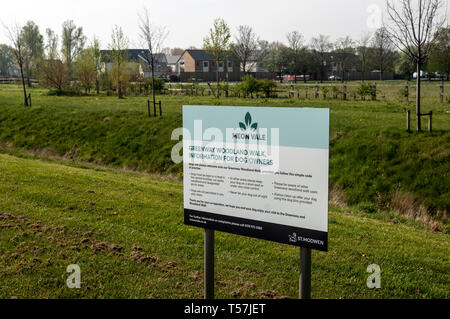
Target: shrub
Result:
[365, 90]
[267, 86]
[159, 84]
[249, 85]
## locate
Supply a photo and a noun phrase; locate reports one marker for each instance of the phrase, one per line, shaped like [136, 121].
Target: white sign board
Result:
[258, 171]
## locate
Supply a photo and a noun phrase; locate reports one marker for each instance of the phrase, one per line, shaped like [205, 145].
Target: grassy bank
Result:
[374, 163]
[130, 242]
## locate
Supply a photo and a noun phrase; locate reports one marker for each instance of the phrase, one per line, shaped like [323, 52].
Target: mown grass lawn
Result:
[374, 162]
[126, 232]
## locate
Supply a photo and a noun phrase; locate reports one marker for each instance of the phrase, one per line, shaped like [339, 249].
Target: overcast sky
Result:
[188, 21]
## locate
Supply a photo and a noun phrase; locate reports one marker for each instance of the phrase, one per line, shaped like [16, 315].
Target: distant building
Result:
[201, 65]
[139, 56]
[172, 63]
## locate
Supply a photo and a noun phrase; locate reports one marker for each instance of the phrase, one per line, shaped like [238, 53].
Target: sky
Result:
[188, 21]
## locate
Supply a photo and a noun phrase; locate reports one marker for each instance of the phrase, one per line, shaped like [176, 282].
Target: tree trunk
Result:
[419, 126]
[217, 78]
[23, 85]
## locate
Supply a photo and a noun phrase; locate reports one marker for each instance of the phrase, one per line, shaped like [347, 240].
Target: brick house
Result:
[201, 65]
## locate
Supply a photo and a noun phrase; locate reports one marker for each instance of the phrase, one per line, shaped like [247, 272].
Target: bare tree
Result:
[246, 47]
[321, 46]
[19, 52]
[382, 53]
[363, 50]
[412, 26]
[295, 41]
[344, 49]
[153, 38]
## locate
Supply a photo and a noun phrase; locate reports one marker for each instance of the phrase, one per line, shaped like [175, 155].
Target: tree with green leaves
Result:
[439, 60]
[277, 60]
[86, 69]
[218, 44]
[119, 56]
[34, 47]
[73, 41]
[6, 60]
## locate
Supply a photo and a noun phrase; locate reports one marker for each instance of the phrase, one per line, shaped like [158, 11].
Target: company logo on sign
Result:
[293, 238]
[248, 123]
[246, 127]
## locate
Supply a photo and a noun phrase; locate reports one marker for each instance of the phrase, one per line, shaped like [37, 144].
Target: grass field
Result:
[374, 162]
[89, 180]
[130, 242]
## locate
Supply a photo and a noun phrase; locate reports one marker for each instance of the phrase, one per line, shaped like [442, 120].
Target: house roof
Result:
[200, 55]
[135, 55]
[172, 59]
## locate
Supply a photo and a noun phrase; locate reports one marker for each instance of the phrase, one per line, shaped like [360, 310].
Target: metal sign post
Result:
[209, 264]
[305, 273]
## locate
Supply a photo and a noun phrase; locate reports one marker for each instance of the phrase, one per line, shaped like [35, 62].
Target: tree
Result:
[53, 72]
[153, 38]
[297, 51]
[413, 29]
[362, 51]
[404, 65]
[19, 53]
[246, 47]
[119, 52]
[34, 47]
[86, 69]
[321, 46]
[73, 42]
[344, 47]
[277, 60]
[6, 60]
[439, 60]
[382, 52]
[51, 45]
[95, 47]
[176, 51]
[218, 44]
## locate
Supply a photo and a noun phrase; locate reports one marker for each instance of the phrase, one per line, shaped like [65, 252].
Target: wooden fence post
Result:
[407, 92]
[408, 120]
[430, 121]
[29, 99]
[317, 91]
[160, 108]
[344, 92]
[291, 93]
[442, 91]
[374, 92]
[148, 107]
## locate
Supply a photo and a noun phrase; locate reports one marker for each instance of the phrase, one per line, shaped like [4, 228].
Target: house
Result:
[201, 65]
[172, 63]
[140, 56]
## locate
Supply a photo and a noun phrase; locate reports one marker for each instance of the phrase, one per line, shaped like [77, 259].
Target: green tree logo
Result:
[248, 123]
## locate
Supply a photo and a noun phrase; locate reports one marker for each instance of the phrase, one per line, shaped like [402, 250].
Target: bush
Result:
[365, 90]
[267, 86]
[249, 85]
[159, 84]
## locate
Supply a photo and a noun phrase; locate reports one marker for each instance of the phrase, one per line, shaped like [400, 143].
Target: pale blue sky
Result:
[188, 21]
